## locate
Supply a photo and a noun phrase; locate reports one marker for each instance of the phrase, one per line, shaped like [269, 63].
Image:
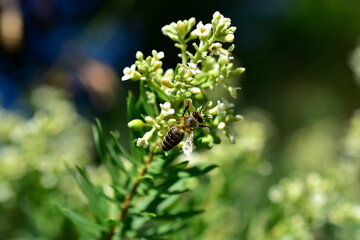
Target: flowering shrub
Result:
[148, 182]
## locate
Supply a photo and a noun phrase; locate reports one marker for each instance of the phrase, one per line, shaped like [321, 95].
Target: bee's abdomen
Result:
[172, 138]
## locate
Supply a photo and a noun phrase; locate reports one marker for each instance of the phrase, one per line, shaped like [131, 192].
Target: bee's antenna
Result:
[202, 106]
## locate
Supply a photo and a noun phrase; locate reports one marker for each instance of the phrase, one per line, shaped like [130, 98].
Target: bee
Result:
[176, 133]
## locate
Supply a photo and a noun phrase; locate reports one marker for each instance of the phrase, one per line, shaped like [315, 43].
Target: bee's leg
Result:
[200, 125]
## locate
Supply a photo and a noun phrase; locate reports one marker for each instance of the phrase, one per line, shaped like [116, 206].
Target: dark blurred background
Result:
[295, 53]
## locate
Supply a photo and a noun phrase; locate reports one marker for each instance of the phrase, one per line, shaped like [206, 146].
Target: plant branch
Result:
[124, 209]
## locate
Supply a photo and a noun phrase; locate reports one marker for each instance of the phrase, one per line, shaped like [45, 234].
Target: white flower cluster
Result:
[163, 120]
[315, 201]
[208, 67]
[223, 115]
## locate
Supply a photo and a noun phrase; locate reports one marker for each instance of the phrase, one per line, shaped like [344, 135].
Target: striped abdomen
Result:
[172, 138]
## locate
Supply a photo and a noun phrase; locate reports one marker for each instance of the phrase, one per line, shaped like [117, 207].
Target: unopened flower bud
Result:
[157, 65]
[172, 121]
[221, 126]
[181, 27]
[239, 70]
[229, 38]
[238, 118]
[136, 125]
[149, 120]
[189, 79]
[165, 81]
[216, 15]
[148, 135]
[182, 71]
[141, 68]
[214, 111]
[222, 60]
[191, 22]
[195, 90]
[232, 29]
[139, 56]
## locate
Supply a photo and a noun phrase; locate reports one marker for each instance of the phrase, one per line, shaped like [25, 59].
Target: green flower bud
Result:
[221, 126]
[136, 125]
[232, 29]
[217, 15]
[238, 118]
[142, 68]
[181, 28]
[157, 65]
[229, 38]
[172, 121]
[149, 120]
[222, 60]
[195, 90]
[182, 71]
[191, 23]
[139, 56]
[166, 82]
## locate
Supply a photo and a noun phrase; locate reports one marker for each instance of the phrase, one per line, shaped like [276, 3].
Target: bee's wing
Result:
[188, 144]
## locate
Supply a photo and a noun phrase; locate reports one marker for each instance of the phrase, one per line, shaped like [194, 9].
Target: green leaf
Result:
[97, 200]
[99, 138]
[121, 149]
[168, 194]
[131, 106]
[119, 191]
[87, 227]
[197, 171]
[147, 180]
[149, 108]
[180, 215]
[181, 165]
[112, 222]
[147, 214]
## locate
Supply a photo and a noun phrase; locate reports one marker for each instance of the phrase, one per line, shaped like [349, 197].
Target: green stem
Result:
[182, 42]
[124, 208]
[204, 45]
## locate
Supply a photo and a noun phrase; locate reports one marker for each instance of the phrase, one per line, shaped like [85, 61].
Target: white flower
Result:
[128, 72]
[215, 48]
[166, 109]
[157, 55]
[202, 30]
[193, 68]
[142, 142]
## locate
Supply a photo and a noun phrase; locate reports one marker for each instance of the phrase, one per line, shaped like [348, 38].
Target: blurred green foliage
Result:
[33, 175]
